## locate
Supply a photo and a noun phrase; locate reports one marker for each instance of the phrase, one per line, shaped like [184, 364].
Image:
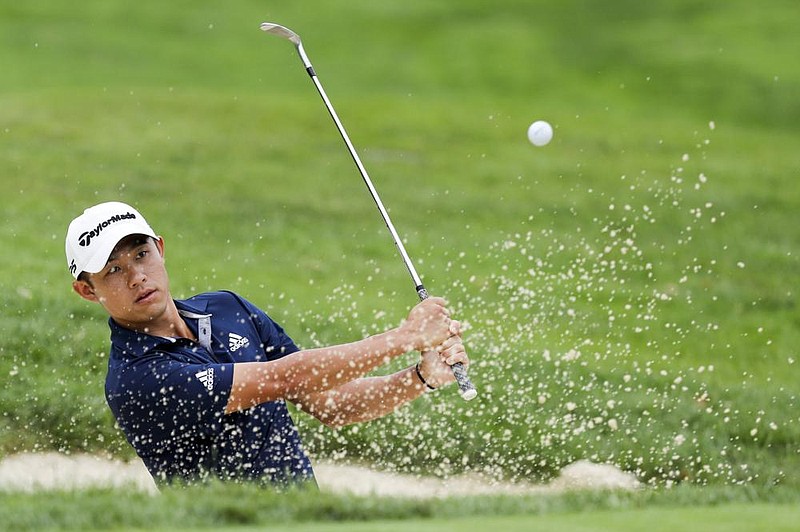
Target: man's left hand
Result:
[435, 363]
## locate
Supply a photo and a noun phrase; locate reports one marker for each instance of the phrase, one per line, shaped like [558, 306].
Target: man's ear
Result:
[85, 290]
[160, 245]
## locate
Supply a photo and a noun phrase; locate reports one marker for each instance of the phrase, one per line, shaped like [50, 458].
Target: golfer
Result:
[199, 386]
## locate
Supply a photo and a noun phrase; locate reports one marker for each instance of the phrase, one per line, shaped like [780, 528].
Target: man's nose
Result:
[137, 275]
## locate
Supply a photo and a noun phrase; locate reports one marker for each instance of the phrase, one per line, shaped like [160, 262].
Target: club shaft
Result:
[465, 386]
[367, 181]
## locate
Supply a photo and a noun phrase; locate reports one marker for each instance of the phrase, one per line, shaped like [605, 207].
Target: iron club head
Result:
[281, 31]
[289, 35]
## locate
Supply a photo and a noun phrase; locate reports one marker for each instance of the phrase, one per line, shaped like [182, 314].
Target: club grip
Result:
[465, 387]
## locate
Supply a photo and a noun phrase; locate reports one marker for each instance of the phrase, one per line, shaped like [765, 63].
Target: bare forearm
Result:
[364, 399]
[311, 371]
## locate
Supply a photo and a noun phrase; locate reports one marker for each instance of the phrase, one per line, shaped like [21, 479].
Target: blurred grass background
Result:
[630, 289]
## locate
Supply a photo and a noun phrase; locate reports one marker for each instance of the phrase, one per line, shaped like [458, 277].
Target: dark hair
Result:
[83, 276]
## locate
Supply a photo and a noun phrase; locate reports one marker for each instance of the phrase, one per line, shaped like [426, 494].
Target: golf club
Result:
[465, 386]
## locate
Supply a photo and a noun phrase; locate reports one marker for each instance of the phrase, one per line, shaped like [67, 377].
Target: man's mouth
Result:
[146, 296]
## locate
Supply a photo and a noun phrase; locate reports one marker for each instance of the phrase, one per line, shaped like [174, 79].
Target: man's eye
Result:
[114, 269]
[142, 254]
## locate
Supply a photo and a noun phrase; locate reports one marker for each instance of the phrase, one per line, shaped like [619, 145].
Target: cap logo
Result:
[86, 238]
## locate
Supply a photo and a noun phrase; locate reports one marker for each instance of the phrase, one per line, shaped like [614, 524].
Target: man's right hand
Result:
[427, 325]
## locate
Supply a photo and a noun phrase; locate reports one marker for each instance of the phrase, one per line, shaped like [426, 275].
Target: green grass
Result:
[220, 506]
[725, 518]
[630, 289]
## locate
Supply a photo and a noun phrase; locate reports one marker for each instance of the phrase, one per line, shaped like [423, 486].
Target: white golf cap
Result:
[92, 236]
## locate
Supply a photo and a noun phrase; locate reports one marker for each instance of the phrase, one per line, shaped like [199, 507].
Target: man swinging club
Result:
[199, 386]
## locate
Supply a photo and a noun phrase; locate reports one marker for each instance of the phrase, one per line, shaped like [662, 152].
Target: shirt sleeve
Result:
[276, 343]
[164, 397]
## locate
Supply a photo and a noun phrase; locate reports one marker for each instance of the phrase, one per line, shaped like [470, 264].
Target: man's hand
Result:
[435, 363]
[427, 326]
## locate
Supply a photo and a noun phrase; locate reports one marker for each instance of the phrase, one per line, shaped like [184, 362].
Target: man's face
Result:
[133, 287]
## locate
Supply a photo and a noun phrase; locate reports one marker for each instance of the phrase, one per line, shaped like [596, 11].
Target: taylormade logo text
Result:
[86, 238]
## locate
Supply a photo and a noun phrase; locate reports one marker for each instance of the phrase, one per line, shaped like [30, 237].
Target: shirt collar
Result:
[132, 343]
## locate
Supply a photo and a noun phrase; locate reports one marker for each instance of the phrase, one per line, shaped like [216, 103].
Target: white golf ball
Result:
[540, 133]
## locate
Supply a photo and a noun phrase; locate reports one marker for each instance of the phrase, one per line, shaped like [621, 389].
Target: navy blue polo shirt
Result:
[169, 395]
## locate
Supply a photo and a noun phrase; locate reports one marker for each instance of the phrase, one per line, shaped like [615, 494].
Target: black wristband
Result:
[419, 374]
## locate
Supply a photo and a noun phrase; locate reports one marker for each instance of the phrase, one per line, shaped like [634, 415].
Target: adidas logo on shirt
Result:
[236, 342]
[207, 378]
